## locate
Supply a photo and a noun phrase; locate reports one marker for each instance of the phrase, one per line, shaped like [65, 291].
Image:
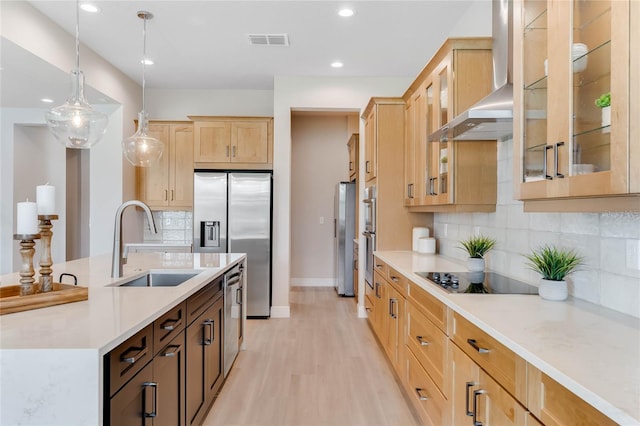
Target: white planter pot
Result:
[553, 290]
[475, 264]
[606, 119]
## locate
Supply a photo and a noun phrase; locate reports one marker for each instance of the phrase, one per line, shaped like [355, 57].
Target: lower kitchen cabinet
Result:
[431, 405]
[204, 361]
[134, 403]
[169, 374]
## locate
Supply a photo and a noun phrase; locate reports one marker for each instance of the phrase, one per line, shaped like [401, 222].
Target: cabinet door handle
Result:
[421, 397]
[421, 340]
[435, 185]
[394, 303]
[227, 151]
[556, 148]
[350, 165]
[173, 352]
[394, 279]
[133, 354]
[476, 393]
[366, 167]
[475, 346]
[172, 195]
[377, 290]
[544, 162]
[466, 398]
[170, 324]
[208, 324]
[166, 195]
[233, 151]
[154, 387]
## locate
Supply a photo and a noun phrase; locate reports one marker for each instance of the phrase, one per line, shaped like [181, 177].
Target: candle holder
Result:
[46, 280]
[27, 272]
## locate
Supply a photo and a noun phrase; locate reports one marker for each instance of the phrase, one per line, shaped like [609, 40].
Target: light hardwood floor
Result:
[322, 366]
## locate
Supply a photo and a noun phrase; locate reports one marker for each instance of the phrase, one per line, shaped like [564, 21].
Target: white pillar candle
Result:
[27, 218]
[46, 199]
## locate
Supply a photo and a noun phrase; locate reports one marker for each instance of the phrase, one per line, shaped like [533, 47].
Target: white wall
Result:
[171, 104]
[309, 93]
[319, 160]
[609, 241]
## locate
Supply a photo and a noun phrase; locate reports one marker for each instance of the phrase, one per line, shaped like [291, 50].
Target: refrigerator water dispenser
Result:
[210, 233]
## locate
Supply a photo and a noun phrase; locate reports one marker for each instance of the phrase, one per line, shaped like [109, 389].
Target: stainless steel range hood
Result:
[492, 117]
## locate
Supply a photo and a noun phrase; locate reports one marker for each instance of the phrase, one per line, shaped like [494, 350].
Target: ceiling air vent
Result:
[269, 39]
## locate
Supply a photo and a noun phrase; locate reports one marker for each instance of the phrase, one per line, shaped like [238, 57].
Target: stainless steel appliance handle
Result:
[238, 296]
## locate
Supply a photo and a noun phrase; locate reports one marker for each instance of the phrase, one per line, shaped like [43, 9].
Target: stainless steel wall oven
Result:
[369, 232]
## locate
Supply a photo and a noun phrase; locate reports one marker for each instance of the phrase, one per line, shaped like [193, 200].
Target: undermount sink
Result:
[159, 279]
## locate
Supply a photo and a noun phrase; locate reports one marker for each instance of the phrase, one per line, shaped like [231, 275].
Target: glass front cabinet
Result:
[575, 114]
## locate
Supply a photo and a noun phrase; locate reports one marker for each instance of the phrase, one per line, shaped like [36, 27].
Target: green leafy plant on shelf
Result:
[477, 246]
[552, 263]
[604, 100]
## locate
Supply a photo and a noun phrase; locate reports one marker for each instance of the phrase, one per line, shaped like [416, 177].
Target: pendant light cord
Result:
[144, 58]
[77, 34]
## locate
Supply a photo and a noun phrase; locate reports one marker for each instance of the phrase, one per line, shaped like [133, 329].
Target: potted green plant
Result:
[476, 247]
[554, 264]
[604, 102]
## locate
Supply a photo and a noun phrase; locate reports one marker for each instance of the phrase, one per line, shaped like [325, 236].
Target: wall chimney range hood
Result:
[492, 117]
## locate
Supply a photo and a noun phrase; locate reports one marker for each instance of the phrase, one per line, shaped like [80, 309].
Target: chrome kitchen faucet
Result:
[119, 256]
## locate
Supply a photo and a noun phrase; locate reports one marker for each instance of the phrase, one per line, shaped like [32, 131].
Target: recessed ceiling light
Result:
[87, 7]
[345, 13]
[146, 62]
[47, 100]
[337, 64]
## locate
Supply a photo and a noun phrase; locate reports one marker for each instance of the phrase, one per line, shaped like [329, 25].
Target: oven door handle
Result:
[369, 234]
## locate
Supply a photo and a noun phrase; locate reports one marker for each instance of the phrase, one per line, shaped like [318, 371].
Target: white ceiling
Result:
[204, 44]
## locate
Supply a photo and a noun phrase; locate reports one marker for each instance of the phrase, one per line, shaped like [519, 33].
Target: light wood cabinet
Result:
[554, 405]
[169, 184]
[449, 176]
[233, 142]
[431, 405]
[354, 156]
[567, 149]
[383, 144]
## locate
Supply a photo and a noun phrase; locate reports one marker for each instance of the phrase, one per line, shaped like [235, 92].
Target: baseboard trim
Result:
[280, 312]
[313, 282]
[362, 312]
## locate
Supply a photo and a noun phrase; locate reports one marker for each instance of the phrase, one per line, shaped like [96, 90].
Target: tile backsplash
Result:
[173, 227]
[610, 243]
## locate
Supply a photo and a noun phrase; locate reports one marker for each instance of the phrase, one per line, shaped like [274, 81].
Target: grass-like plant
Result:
[552, 263]
[477, 246]
[604, 100]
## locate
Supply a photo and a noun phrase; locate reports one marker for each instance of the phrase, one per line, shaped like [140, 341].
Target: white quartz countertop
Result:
[112, 314]
[592, 351]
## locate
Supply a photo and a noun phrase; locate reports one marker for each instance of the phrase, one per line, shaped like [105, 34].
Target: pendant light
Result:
[141, 149]
[75, 123]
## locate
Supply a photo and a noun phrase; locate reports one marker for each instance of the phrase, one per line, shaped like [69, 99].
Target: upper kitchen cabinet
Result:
[352, 146]
[233, 142]
[575, 151]
[169, 184]
[446, 175]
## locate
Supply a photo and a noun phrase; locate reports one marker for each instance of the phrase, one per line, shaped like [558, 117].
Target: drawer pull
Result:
[175, 350]
[475, 406]
[170, 324]
[421, 397]
[154, 386]
[394, 279]
[208, 323]
[466, 398]
[421, 340]
[379, 266]
[475, 346]
[136, 352]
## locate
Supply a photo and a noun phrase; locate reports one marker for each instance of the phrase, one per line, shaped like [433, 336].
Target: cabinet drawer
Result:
[556, 405]
[129, 358]
[508, 369]
[368, 305]
[429, 345]
[435, 310]
[431, 404]
[381, 267]
[397, 280]
[169, 325]
[199, 302]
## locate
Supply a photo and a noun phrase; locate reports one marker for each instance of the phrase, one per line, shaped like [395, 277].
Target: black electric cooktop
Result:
[478, 282]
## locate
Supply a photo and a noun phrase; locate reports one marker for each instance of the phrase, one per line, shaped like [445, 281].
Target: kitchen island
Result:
[51, 359]
[592, 351]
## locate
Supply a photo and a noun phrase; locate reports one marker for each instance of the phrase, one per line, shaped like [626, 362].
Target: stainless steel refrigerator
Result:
[232, 214]
[344, 232]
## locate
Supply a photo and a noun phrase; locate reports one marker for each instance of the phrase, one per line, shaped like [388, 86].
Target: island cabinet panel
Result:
[133, 404]
[169, 375]
[233, 142]
[555, 405]
[128, 358]
[204, 369]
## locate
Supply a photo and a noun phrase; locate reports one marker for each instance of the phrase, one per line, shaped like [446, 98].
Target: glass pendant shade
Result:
[140, 149]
